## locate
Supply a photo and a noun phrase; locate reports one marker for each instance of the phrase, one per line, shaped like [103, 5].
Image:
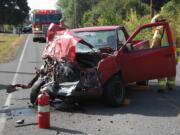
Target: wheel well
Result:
[116, 74]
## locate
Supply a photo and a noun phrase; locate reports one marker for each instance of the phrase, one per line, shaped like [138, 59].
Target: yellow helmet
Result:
[158, 18]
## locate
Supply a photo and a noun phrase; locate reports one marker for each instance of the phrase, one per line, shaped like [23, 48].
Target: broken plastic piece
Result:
[20, 121]
[10, 89]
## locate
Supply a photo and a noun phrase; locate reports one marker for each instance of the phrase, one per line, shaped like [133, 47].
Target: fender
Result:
[107, 68]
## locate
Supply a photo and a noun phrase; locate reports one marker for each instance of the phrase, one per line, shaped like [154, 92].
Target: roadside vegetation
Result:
[130, 13]
[8, 45]
[14, 13]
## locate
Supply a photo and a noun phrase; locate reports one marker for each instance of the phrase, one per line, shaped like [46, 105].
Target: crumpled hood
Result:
[63, 46]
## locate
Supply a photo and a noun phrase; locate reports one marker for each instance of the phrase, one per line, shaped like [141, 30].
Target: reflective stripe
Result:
[177, 49]
[157, 35]
[162, 83]
[174, 32]
[171, 82]
[164, 41]
[45, 108]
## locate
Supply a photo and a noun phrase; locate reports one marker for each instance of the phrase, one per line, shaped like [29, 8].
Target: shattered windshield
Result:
[82, 48]
[99, 39]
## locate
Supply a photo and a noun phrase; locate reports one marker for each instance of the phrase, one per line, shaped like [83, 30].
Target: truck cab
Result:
[106, 59]
[40, 22]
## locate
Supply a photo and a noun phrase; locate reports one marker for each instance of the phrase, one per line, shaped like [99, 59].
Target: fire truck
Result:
[40, 22]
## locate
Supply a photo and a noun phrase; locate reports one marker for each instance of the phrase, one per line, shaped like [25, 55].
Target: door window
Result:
[149, 38]
[121, 38]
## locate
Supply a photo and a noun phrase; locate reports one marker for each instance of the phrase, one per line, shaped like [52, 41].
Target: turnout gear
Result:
[160, 39]
[178, 48]
[158, 18]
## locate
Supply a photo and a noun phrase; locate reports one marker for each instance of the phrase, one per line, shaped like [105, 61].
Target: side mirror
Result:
[128, 47]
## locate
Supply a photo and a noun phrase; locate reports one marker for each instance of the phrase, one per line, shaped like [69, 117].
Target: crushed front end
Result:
[75, 67]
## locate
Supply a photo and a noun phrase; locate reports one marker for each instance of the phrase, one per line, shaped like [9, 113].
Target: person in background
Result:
[62, 24]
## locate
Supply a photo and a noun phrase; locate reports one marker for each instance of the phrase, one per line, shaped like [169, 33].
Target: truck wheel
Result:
[114, 91]
[34, 40]
[35, 90]
[145, 83]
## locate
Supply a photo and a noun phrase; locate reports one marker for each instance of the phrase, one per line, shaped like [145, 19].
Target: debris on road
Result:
[99, 119]
[111, 121]
[10, 89]
[20, 121]
[10, 118]
[28, 124]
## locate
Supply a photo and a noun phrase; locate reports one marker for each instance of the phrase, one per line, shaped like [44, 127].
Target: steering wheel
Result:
[106, 50]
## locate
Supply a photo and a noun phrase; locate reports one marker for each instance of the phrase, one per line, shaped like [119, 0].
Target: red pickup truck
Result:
[101, 61]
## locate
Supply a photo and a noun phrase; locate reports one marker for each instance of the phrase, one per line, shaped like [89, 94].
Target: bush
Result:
[171, 11]
[133, 20]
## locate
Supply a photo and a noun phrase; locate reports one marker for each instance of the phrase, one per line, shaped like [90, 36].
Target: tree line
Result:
[104, 12]
[80, 13]
[13, 12]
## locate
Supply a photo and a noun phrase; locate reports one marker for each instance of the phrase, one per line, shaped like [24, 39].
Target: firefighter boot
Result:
[161, 85]
[170, 83]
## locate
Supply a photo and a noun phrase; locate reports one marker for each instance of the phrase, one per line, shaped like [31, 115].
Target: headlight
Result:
[37, 29]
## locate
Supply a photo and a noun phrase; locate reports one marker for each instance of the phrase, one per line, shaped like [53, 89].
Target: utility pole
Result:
[152, 8]
[75, 14]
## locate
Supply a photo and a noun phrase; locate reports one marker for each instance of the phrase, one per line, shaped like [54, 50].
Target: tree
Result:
[157, 4]
[74, 10]
[102, 14]
[13, 12]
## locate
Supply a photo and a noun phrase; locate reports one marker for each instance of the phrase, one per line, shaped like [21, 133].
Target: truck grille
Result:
[45, 28]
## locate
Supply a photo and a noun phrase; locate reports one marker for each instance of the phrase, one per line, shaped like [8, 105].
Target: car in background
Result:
[27, 29]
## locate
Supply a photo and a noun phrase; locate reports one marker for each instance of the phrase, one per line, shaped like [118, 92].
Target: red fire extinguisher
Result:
[43, 110]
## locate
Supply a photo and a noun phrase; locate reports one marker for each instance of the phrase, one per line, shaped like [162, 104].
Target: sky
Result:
[42, 4]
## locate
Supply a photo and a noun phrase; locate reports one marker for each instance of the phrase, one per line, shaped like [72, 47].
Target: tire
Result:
[34, 40]
[114, 92]
[145, 83]
[35, 90]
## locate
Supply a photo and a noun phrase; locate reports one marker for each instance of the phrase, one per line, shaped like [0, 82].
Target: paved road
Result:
[149, 113]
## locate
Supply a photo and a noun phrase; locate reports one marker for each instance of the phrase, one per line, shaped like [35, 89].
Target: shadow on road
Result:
[25, 125]
[147, 103]
[35, 62]
[59, 130]
[12, 72]
[3, 87]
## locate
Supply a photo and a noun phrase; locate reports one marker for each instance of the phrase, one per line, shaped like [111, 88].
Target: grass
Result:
[8, 46]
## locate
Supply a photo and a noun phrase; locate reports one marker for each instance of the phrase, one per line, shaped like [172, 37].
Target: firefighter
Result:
[178, 48]
[62, 24]
[159, 40]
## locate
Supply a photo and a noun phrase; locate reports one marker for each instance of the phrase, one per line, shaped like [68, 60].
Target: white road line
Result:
[8, 100]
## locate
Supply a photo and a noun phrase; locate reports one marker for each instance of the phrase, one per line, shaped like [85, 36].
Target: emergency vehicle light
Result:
[39, 11]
